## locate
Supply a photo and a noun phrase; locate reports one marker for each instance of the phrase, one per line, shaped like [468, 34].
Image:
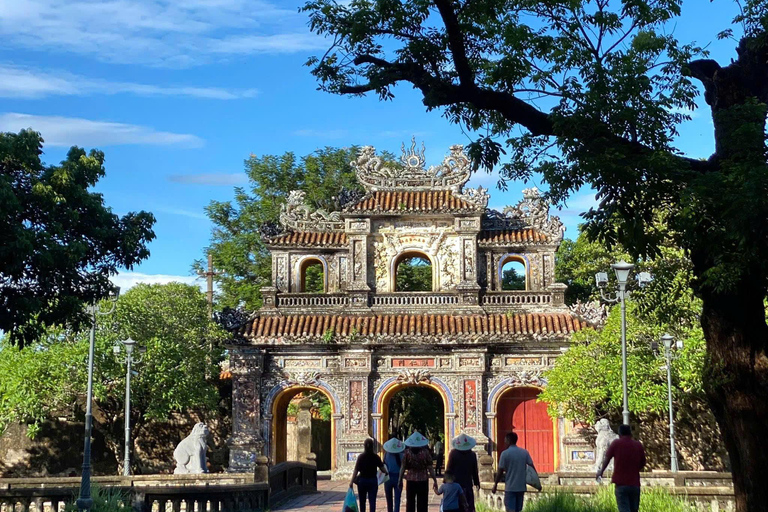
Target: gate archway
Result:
[279, 400]
[390, 387]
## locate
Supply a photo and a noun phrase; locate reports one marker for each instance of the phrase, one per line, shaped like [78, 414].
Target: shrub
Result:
[105, 499]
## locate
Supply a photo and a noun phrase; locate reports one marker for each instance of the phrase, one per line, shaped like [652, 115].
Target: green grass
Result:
[652, 499]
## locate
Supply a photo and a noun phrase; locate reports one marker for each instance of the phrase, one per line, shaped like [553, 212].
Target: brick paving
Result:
[330, 498]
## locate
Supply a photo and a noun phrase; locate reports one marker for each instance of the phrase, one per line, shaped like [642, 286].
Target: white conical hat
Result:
[394, 445]
[463, 442]
[416, 440]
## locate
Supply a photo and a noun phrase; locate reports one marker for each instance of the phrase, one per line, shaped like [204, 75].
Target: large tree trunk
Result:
[736, 382]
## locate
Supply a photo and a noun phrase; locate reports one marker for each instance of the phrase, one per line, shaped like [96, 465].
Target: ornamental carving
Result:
[302, 363]
[308, 378]
[470, 404]
[593, 313]
[414, 376]
[452, 174]
[528, 378]
[356, 422]
[531, 212]
[478, 196]
[296, 215]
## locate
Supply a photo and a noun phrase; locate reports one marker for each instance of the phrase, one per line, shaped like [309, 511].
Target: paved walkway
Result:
[330, 498]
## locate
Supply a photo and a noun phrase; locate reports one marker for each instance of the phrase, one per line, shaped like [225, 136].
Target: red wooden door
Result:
[518, 411]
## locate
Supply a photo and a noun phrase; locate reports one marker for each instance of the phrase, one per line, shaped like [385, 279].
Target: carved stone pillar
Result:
[281, 271]
[358, 231]
[355, 366]
[304, 430]
[246, 442]
[558, 294]
[467, 229]
[269, 299]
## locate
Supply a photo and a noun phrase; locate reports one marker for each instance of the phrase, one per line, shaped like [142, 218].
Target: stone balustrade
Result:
[312, 300]
[414, 299]
[510, 299]
[168, 493]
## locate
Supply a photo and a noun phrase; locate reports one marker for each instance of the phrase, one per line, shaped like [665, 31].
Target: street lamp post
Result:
[84, 501]
[667, 340]
[622, 269]
[129, 345]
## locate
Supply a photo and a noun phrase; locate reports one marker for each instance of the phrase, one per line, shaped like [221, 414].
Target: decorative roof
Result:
[310, 238]
[412, 325]
[511, 236]
[295, 215]
[406, 201]
[452, 174]
[531, 212]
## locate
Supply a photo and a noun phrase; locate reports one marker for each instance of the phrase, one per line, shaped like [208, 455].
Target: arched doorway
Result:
[413, 273]
[312, 276]
[517, 410]
[512, 274]
[286, 425]
[435, 390]
[416, 408]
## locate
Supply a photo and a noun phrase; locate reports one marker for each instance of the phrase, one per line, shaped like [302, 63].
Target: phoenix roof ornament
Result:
[374, 175]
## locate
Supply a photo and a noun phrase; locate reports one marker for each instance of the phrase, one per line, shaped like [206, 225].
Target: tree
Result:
[585, 383]
[61, 243]
[414, 274]
[239, 253]
[591, 93]
[511, 280]
[416, 409]
[47, 378]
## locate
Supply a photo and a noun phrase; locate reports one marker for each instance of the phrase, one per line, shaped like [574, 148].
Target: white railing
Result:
[309, 300]
[514, 298]
[402, 299]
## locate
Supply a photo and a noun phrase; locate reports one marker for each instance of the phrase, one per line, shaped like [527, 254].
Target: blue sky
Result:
[178, 94]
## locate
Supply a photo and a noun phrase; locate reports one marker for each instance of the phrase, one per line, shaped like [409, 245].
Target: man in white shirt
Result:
[513, 465]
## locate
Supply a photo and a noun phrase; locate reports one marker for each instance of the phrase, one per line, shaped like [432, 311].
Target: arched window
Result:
[413, 273]
[513, 275]
[312, 274]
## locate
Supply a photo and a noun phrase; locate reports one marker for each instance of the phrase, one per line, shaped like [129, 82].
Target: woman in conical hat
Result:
[462, 462]
[417, 470]
[393, 459]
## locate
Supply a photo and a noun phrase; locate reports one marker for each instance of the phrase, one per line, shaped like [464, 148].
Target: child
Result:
[452, 493]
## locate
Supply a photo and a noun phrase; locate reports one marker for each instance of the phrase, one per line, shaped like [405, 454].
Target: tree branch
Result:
[456, 42]
[439, 93]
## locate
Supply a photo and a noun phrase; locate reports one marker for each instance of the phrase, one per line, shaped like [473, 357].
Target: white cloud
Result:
[71, 131]
[214, 179]
[127, 280]
[18, 82]
[155, 32]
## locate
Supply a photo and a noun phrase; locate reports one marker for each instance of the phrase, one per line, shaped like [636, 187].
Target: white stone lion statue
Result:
[605, 436]
[190, 452]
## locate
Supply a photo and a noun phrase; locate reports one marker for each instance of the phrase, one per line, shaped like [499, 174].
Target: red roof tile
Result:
[412, 325]
[310, 238]
[411, 201]
[507, 236]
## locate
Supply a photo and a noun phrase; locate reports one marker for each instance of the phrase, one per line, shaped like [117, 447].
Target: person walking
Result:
[439, 456]
[393, 459]
[513, 464]
[417, 470]
[453, 494]
[462, 462]
[364, 475]
[628, 460]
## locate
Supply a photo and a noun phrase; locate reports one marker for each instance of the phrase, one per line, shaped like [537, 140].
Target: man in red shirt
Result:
[628, 460]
